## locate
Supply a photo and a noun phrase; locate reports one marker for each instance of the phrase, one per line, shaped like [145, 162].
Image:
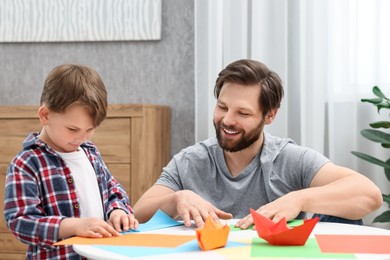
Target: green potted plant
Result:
[379, 136]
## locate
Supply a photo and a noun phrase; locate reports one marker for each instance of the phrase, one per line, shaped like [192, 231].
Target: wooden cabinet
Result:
[134, 141]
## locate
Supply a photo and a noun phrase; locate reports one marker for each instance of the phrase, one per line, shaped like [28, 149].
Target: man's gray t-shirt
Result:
[281, 167]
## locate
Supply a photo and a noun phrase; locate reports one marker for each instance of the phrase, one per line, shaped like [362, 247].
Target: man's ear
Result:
[269, 118]
[43, 113]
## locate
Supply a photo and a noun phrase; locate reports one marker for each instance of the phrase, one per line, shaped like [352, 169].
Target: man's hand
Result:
[122, 221]
[287, 206]
[189, 206]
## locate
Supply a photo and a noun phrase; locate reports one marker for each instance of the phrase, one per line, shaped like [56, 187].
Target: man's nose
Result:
[229, 119]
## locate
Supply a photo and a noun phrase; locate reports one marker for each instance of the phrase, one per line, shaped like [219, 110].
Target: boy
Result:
[59, 186]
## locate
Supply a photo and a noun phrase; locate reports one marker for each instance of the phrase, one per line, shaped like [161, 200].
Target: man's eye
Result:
[244, 114]
[72, 129]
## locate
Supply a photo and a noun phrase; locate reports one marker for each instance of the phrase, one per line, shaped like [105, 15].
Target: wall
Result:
[156, 72]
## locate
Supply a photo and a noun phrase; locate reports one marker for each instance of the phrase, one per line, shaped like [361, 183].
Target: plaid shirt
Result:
[40, 192]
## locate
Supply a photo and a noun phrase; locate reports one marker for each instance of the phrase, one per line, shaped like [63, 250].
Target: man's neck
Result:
[238, 161]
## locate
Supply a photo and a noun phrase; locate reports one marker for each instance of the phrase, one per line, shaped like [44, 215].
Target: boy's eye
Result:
[72, 129]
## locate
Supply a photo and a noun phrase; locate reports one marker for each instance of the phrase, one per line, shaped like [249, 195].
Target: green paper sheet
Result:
[290, 223]
[261, 248]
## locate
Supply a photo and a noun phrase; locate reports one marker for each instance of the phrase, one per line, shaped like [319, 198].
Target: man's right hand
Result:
[190, 206]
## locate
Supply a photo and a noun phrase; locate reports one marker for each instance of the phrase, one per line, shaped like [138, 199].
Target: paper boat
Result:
[213, 235]
[279, 233]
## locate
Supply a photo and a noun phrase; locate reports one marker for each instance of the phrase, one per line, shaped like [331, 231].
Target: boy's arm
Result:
[113, 194]
[116, 196]
[23, 211]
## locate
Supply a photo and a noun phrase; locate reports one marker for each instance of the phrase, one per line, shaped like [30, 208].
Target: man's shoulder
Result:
[274, 145]
[203, 148]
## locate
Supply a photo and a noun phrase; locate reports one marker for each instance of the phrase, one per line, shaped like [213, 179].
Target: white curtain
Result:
[329, 53]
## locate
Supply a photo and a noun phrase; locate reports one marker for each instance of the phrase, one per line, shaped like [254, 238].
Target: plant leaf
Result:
[387, 171]
[384, 217]
[383, 105]
[376, 136]
[380, 124]
[386, 198]
[377, 92]
[371, 159]
[374, 101]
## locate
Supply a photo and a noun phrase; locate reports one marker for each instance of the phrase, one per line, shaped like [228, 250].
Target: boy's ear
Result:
[43, 113]
[269, 118]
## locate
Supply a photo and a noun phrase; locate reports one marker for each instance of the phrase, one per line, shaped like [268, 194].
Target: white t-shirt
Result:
[85, 181]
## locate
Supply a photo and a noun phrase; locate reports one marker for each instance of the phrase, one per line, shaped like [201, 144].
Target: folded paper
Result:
[279, 233]
[213, 235]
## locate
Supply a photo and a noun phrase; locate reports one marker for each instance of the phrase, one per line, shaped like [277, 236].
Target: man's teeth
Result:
[230, 132]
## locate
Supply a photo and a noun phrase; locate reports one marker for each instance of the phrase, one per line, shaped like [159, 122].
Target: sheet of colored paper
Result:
[136, 239]
[295, 222]
[233, 228]
[260, 248]
[357, 244]
[140, 251]
[290, 223]
[159, 220]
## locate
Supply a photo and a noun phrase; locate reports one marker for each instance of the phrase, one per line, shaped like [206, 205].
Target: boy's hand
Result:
[86, 227]
[122, 221]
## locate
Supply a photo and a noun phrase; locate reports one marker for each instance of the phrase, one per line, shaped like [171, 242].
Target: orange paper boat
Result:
[213, 235]
[279, 233]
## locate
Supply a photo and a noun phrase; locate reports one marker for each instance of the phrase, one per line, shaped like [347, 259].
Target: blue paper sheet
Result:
[159, 220]
[139, 251]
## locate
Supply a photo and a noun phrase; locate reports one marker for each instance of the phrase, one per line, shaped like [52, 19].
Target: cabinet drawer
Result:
[113, 140]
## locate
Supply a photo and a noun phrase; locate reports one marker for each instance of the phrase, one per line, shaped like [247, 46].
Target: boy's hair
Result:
[251, 72]
[70, 83]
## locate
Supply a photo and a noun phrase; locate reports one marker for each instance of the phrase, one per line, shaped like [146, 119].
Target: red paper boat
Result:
[213, 235]
[279, 233]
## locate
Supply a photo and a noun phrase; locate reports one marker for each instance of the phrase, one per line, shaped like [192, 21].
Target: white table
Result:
[92, 252]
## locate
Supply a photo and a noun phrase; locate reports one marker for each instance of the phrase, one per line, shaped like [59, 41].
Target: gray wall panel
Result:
[156, 72]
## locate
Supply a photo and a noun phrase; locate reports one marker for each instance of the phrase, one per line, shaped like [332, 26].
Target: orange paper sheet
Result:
[213, 235]
[279, 233]
[153, 240]
[354, 244]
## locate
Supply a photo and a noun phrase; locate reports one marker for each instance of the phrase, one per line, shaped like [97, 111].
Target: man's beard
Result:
[246, 140]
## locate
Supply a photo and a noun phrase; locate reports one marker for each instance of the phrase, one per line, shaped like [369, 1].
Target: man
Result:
[245, 167]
